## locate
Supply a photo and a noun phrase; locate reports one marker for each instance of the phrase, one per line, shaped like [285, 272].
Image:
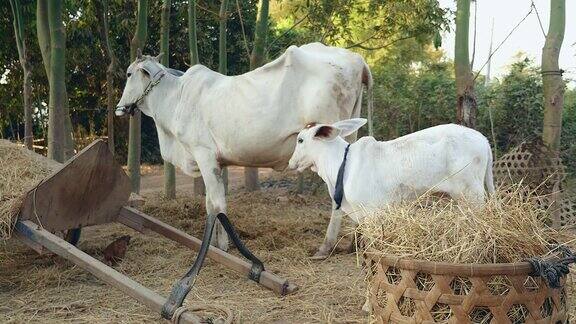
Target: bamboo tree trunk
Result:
[222, 61]
[57, 101]
[192, 38]
[466, 100]
[552, 83]
[110, 107]
[69, 145]
[102, 12]
[23, 56]
[257, 60]
[28, 121]
[553, 88]
[199, 187]
[45, 42]
[169, 171]
[43, 31]
[134, 137]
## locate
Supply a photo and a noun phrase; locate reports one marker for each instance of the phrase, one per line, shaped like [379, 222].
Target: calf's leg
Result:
[331, 234]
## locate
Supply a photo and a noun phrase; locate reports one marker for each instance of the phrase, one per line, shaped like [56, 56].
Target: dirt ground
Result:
[279, 226]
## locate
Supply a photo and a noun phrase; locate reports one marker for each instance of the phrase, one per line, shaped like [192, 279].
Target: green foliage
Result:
[369, 24]
[516, 104]
[414, 94]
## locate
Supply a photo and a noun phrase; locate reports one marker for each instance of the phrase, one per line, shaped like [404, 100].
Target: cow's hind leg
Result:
[467, 192]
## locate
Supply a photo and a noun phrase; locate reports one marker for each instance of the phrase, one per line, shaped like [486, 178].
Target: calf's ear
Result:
[349, 126]
[326, 132]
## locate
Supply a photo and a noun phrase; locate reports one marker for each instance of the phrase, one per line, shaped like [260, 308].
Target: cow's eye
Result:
[300, 140]
[128, 74]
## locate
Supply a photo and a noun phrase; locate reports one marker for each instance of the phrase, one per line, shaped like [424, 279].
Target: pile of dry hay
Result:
[509, 228]
[20, 171]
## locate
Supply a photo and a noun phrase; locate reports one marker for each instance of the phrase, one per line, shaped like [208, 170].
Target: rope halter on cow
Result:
[156, 74]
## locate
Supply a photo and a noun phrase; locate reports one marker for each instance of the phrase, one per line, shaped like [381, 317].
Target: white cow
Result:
[450, 159]
[206, 120]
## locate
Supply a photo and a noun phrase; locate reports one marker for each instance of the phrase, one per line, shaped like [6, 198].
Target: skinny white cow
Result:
[448, 158]
[206, 120]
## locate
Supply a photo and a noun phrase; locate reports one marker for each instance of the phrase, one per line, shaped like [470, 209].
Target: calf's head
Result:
[142, 75]
[317, 140]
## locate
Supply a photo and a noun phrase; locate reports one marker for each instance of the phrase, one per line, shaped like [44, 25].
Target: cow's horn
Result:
[159, 57]
[138, 53]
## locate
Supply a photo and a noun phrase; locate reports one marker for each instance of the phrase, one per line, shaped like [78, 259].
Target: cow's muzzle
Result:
[128, 109]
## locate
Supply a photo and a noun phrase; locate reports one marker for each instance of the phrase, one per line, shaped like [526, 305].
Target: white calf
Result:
[448, 158]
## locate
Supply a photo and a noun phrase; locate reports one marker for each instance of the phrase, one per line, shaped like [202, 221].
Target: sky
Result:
[528, 38]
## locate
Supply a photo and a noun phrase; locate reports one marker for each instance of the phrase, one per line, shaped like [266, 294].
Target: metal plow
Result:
[92, 189]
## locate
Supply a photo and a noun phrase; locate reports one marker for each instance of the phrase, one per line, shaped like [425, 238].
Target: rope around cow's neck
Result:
[339, 189]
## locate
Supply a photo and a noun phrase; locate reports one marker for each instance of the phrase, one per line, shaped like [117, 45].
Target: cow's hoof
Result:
[367, 307]
[320, 255]
[223, 246]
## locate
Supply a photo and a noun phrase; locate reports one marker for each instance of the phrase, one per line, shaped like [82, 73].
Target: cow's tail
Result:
[368, 83]
[489, 176]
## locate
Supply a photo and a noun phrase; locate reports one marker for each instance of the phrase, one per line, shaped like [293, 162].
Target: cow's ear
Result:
[326, 132]
[349, 126]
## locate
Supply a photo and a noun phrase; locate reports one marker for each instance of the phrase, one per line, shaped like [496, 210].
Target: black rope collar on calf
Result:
[257, 265]
[339, 189]
[552, 271]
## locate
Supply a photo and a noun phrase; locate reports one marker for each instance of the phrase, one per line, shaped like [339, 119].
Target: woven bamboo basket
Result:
[413, 291]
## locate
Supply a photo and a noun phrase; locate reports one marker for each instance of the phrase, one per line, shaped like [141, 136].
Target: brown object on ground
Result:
[409, 291]
[20, 171]
[116, 250]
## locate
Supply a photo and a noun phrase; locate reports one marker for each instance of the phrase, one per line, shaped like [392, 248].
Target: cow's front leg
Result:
[215, 193]
[331, 234]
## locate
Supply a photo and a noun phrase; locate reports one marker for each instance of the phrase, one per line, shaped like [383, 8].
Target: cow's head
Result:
[141, 76]
[314, 140]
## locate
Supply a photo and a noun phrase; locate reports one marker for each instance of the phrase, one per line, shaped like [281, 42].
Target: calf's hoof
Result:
[367, 307]
[320, 255]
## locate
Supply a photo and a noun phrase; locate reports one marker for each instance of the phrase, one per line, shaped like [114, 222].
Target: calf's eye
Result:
[300, 140]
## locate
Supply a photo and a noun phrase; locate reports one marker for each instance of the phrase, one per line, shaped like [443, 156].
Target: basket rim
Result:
[455, 269]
